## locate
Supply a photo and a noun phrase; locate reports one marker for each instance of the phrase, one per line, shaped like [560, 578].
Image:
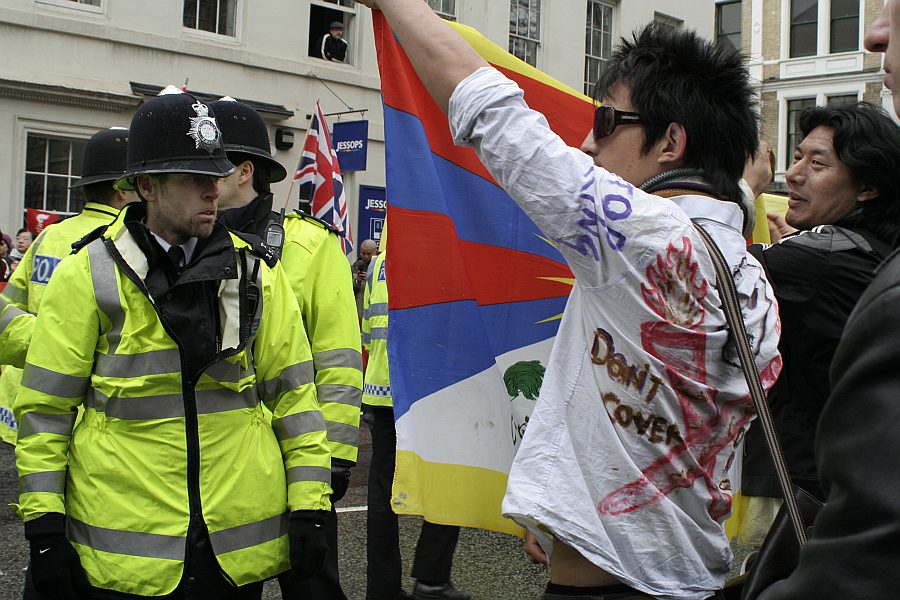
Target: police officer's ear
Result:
[147, 187]
[245, 172]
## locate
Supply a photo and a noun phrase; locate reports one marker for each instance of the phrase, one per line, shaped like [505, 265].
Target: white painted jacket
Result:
[642, 404]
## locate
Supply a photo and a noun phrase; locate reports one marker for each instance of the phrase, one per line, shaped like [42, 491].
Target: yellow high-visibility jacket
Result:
[21, 299]
[155, 450]
[377, 380]
[319, 274]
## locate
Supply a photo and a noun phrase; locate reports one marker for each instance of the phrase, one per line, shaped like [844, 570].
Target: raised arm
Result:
[439, 55]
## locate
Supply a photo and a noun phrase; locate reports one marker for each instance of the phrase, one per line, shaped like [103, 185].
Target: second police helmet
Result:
[105, 157]
[245, 133]
[174, 133]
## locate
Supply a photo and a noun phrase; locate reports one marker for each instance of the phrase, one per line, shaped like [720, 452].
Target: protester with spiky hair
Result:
[623, 474]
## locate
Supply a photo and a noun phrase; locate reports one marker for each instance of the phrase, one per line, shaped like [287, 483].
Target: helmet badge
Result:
[204, 129]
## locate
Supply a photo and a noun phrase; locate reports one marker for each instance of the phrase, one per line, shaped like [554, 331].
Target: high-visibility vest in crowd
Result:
[21, 299]
[377, 380]
[320, 276]
[151, 443]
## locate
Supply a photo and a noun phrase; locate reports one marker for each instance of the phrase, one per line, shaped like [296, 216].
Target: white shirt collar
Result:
[188, 247]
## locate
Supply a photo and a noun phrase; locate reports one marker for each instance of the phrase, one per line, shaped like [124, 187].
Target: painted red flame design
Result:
[675, 287]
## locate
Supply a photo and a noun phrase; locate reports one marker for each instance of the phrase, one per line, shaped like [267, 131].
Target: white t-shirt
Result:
[625, 457]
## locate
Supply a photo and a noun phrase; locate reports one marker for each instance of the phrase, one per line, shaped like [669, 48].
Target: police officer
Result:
[170, 332]
[103, 163]
[319, 273]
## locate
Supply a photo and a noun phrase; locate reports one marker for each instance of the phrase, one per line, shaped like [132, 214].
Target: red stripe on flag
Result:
[497, 275]
[570, 117]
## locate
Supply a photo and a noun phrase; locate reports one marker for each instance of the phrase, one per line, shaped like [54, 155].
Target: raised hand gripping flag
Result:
[319, 167]
[475, 295]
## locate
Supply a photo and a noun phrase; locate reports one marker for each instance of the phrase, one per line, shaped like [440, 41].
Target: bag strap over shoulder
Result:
[731, 308]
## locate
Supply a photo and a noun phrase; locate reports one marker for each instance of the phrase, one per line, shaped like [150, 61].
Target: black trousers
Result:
[326, 583]
[437, 543]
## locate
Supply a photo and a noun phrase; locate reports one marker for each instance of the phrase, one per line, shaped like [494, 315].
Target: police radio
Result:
[275, 234]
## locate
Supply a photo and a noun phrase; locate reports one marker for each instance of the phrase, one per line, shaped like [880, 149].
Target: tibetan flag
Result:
[319, 167]
[476, 294]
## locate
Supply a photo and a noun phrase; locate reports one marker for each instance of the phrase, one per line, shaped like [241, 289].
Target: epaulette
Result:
[259, 247]
[96, 234]
[325, 224]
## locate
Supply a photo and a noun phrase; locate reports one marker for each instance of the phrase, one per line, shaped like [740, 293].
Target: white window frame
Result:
[73, 5]
[443, 14]
[821, 95]
[823, 31]
[218, 37]
[716, 21]
[540, 33]
[24, 127]
[612, 41]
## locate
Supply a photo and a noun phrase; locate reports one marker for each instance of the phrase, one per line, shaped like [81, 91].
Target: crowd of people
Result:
[11, 252]
[187, 360]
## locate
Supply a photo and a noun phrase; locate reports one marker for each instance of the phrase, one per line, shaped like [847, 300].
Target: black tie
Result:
[176, 255]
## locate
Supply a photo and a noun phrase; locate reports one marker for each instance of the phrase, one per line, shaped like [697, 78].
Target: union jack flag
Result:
[319, 167]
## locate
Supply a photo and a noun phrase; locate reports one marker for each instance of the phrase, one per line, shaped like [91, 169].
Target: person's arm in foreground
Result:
[439, 55]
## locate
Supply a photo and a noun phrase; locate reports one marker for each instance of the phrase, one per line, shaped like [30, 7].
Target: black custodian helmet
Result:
[104, 157]
[174, 133]
[245, 133]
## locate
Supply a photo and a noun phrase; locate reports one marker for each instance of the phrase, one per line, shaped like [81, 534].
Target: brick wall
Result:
[768, 117]
[872, 8]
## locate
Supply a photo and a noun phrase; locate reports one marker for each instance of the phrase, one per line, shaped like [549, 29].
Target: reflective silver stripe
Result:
[216, 401]
[37, 244]
[295, 474]
[298, 424]
[366, 338]
[379, 333]
[342, 357]
[132, 543]
[290, 378]
[379, 309]
[161, 362]
[250, 534]
[169, 406]
[342, 433]
[16, 294]
[106, 291]
[153, 362]
[53, 482]
[33, 423]
[12, 311]
[338, 394]
[50, 382]
[227, 372]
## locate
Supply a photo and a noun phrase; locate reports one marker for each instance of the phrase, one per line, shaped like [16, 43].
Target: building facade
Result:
[72, 67]
[803, 53]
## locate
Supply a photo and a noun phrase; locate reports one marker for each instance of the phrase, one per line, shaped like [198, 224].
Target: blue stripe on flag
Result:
[445, 343]
[481, 211]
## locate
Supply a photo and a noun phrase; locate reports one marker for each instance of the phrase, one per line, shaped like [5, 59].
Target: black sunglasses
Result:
[607, 118]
